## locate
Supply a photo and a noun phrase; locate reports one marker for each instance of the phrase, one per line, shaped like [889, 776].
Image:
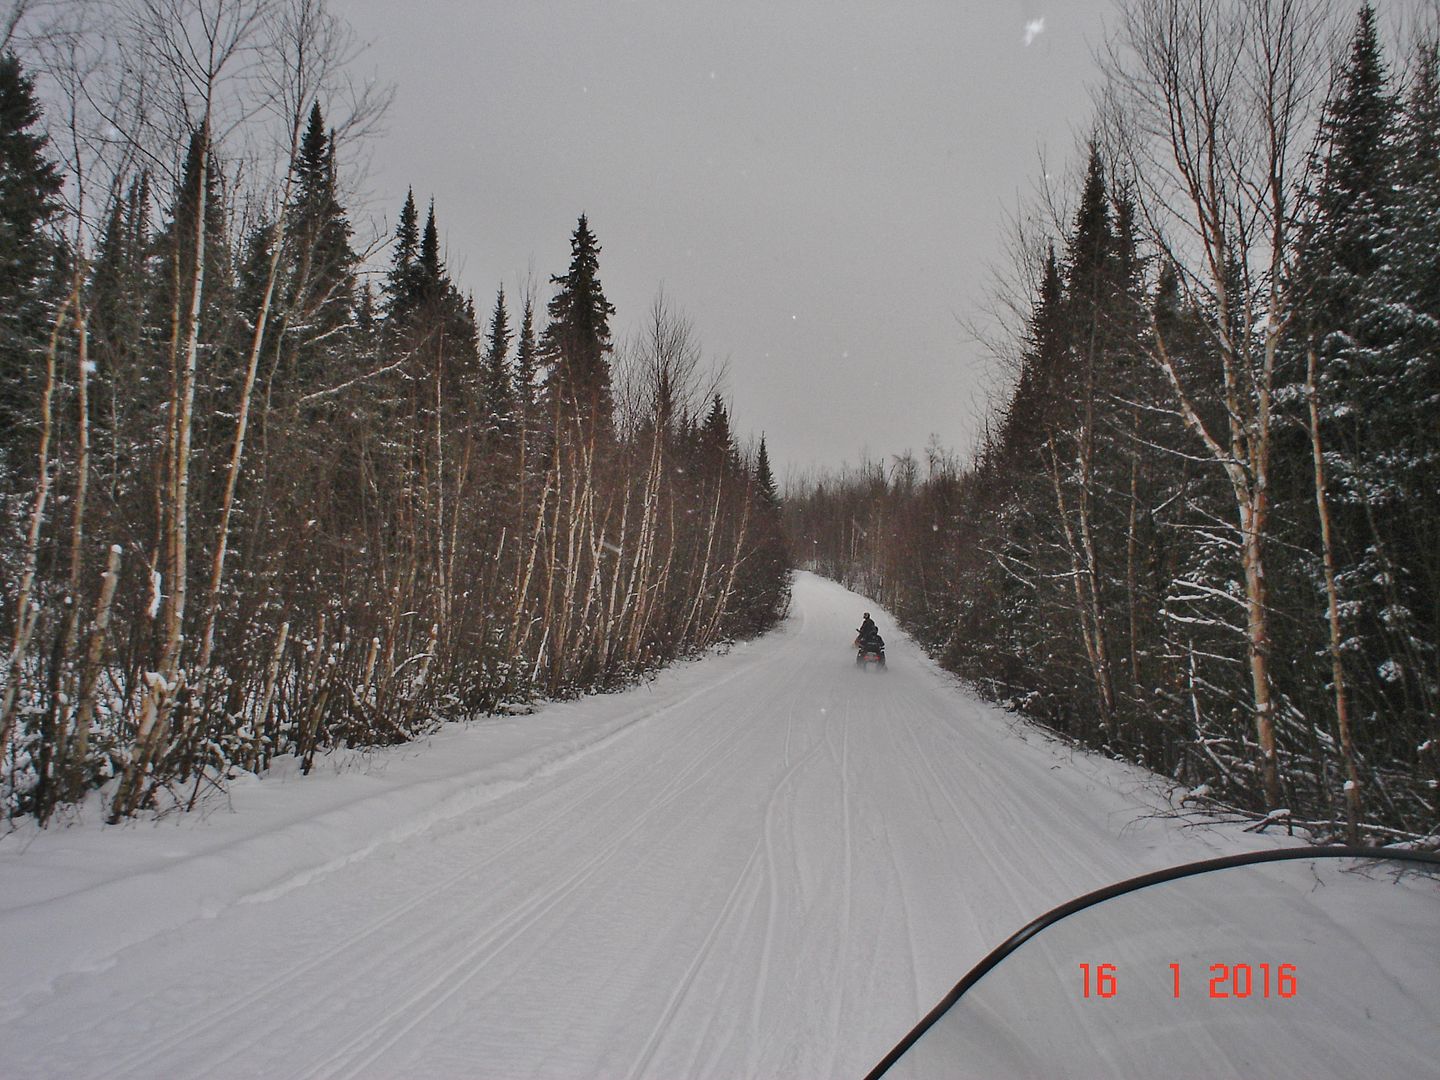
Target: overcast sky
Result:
[821, 186]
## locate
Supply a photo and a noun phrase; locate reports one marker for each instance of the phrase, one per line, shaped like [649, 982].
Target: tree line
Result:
[1201, 529]
[255, 505]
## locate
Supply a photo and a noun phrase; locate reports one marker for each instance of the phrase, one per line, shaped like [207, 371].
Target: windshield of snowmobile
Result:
[1318, 967]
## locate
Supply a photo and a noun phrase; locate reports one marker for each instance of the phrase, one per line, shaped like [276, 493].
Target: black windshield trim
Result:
[1120, 888]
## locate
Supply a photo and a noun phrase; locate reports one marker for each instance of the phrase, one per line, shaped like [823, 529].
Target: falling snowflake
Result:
[1033, 29]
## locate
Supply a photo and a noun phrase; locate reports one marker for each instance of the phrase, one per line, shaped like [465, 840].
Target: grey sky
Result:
[820, 186]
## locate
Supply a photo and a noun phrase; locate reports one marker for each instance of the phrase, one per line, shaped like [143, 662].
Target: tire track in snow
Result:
[360, 1052]
[755, 881]
[908, 921]
[273, 988]
[761, 880]
[980, 843]
[659, 1031]
[772, 896]
[837, 1008]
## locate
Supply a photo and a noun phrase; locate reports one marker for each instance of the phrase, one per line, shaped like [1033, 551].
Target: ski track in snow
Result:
[766, 863]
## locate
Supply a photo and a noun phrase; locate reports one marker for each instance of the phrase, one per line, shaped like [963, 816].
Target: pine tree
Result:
[765, 577]
[367, 318]
[424, 312]
[29, 188]
[498, 390]
[715, 445]
[430, 281]
[253, 268]
[1347, 319]
[1346, 234]
[116, 299]
[1354, 192]
[1077, 449]
[576, 343]
[400, 282]
[1032, 404]
[321, 262]
[527, 363]
[766, 492]
[173, 253]
[1399, 461]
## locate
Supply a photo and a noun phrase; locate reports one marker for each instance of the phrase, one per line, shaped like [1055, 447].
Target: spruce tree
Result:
[527, 363]
[321, 262]
[1347, 228]
[29, 203]
[1354, 192]
[766, 492]
[116, 297]
[576, 343]
[498, 388]
[173, 253]
[1346, 317]
[764, 577]
[400, 284]
[1401, 465]
[430, 280]
[1032, 404]
[715, 444]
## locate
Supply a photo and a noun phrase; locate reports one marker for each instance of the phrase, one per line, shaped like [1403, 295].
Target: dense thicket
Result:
[1201, 533]
[254, 509]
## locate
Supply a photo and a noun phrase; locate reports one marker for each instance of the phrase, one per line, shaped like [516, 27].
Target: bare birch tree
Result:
[1214, 103]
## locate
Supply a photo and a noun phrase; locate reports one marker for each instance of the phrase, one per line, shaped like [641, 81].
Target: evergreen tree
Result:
[1347, 282]
[576, 343]
[1354, 193]
[764, 582]
[400, 282]
[715, 444]
[321, 262]
[116, 276]
[498, 389]
[527, 362]
[430, 282]
[222, 335]
[1347, 226]
[1031, 406]
[1399, 462]
[116, 298]
[367, 318]
[253, 269]
[173, 254]
[29, 188]
[766, 492]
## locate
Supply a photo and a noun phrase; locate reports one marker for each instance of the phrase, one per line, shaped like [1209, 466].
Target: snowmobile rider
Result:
[869, 632]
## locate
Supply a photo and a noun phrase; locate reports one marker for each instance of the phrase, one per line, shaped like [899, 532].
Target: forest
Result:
[1202, 530]
[269, 489]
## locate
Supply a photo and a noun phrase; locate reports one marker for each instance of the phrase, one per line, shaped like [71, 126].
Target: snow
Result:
[1197, 985]
[763, 863]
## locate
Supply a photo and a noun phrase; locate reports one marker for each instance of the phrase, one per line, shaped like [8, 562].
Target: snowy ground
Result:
[760, 864]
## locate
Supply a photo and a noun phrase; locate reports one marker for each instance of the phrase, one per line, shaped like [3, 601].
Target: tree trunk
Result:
[1332, 607]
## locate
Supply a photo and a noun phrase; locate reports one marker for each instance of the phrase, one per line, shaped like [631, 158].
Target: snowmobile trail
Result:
[765, 863]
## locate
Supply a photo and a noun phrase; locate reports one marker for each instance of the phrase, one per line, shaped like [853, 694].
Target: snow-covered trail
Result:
[763, 864]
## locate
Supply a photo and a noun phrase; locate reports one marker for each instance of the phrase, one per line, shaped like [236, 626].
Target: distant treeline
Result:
[255, 506]
[1203, 529]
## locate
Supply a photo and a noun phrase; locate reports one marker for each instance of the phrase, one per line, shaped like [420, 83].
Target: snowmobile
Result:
[870, 650]
[1297, 962]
